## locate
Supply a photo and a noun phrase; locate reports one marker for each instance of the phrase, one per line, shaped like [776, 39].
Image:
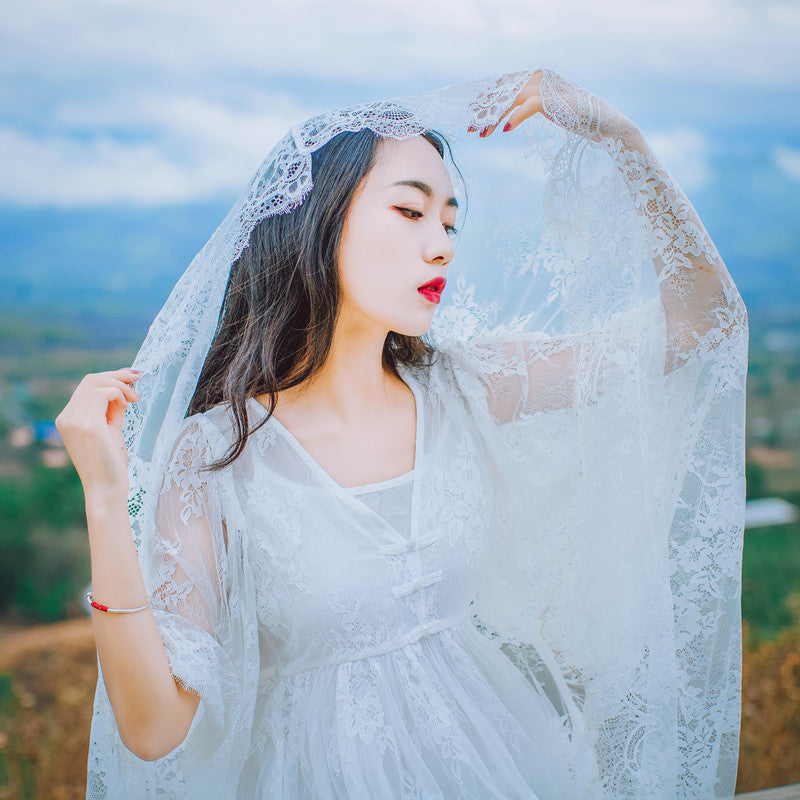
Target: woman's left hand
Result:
[571, 107]
[527, 103]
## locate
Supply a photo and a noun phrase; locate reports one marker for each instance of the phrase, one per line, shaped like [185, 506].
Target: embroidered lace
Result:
[549, 607]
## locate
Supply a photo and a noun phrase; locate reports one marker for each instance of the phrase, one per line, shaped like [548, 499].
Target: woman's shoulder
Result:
[449, 375]
[209, 432]
[218, 425]
[451, 368]
[217, 420]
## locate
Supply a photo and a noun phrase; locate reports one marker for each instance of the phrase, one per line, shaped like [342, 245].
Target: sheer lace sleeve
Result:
[195, 591]
[189, 594]
[190, 569]
[529, 373]
[523, 375]
[700, 306]
[701, 301]
[620, 537]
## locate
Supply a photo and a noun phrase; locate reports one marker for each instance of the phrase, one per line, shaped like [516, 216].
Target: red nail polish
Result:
[507, 127]
[471, 129]
[483, 132]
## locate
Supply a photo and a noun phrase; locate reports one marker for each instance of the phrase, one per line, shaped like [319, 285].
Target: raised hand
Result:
[701, 302]
[91, 427]
[571, 107]
[527, 103]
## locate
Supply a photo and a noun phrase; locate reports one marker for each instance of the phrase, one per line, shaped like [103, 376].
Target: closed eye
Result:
[409, 212]
[413, 214]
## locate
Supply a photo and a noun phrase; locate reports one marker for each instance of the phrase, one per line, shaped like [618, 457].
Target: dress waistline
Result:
[412, 637]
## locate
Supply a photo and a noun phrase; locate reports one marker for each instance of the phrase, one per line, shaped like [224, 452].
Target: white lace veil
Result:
[581, 255]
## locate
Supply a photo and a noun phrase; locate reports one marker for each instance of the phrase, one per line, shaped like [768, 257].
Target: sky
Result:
[154, 107]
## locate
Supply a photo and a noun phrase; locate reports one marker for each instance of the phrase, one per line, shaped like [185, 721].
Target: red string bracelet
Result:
[100, 607]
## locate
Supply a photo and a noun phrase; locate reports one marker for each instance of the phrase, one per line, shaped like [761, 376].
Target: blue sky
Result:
[157, 107]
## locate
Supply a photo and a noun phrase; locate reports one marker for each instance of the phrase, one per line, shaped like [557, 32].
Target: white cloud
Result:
[684, 153]
[68, 173]
[189, 118]
[154, 102]
[721, 41]
[788, 161]
[783, 14]
[192, 150]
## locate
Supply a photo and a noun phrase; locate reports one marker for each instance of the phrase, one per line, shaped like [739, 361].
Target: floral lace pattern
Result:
[551, 608]
[494, 98]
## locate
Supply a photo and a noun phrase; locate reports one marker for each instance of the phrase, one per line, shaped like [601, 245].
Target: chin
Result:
[414, 328]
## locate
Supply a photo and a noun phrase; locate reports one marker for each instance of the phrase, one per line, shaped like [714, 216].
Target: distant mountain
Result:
[102, 274]
[91, 276]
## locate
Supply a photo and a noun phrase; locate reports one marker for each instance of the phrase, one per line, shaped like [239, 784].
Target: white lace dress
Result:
[363, 673]
[548, 606]
[392, 691]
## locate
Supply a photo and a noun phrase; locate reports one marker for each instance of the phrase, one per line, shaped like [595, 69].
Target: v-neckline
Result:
[344, 491]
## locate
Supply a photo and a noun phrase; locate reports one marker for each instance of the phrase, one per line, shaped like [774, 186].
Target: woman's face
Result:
[397, 236]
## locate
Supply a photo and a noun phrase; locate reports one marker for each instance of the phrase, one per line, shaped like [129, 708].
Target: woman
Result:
[347, 562]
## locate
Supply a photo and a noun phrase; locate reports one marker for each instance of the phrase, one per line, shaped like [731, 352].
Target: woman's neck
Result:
[350, 386]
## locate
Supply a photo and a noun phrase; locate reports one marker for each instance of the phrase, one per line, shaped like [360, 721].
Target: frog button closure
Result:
[428, 629]
[417, 584]
[413, 544]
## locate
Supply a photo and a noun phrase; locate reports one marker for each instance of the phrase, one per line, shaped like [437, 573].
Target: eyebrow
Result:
[426, 190]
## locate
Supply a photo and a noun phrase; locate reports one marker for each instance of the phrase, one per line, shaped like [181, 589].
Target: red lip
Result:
[432, 290]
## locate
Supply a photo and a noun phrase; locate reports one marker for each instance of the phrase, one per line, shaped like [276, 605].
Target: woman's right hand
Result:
[90, 426]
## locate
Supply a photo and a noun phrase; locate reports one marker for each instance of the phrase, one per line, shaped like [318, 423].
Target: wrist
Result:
[105, 499]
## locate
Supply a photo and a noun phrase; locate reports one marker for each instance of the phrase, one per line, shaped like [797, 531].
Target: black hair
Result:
[282, 298]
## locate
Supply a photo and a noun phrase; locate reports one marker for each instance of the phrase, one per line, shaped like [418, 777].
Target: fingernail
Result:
[483, 132]
[136, 371]
[507, 127]
[471, 129]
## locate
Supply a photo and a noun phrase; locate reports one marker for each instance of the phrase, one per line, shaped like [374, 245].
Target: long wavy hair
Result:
[282, 298]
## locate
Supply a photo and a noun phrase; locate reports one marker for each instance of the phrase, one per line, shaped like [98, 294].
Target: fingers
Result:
[114, 401]
[106, 379]
[489, 129]
[514, 117]
[527, 103]
[102, 401]
[97, 394]
[530, 107]
[107, 395]
[92, 426]
[126, 374]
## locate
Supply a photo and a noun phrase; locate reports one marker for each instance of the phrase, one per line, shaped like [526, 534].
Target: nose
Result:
[439, 247]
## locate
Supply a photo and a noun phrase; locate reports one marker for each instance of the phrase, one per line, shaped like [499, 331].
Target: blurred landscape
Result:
[47, 658]
[127, 130]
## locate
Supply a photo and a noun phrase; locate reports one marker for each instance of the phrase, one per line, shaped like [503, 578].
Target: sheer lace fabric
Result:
[548, 604]
[372, 677]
